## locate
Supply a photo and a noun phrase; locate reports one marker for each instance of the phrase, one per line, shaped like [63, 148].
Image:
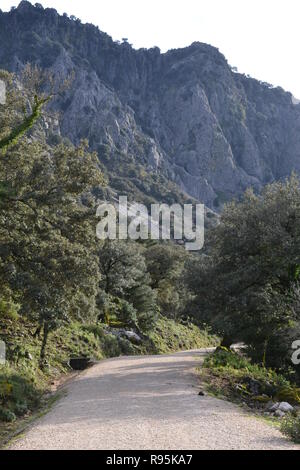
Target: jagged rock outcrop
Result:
[184, 114]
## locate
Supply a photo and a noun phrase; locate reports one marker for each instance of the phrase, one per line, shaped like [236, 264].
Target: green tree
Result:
[165, 263]
[246, 285]
[47, 229]
[124, 275]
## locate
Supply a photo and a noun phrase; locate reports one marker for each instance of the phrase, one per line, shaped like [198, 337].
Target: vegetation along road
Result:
[147, 402]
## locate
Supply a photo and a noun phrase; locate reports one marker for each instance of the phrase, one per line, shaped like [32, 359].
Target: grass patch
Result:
[18, 394]
[11, 431]
[169, 336]
[233, 376]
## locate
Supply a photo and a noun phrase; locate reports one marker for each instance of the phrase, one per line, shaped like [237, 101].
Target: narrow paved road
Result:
[147, 403]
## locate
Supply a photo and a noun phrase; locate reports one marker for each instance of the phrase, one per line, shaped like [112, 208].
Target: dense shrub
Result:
[291, 428]
[18, 395]
[6, 415]
[235, 376]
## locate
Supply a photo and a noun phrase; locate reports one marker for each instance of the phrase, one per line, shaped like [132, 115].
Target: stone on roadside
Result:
[269, 406]
[285, 407]
[274, 408]
[133, 337]
[279, 414]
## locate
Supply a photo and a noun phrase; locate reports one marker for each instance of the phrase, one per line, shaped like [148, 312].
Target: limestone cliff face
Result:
[183, 114]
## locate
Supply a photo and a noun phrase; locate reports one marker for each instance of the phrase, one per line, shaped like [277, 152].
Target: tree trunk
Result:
[44, 342]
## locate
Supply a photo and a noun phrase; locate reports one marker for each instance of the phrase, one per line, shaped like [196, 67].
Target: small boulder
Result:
[274, 408]
[28, 356]
[269, 406]
[133, 337]
[279, 414]
[254, 386]
[286, 407]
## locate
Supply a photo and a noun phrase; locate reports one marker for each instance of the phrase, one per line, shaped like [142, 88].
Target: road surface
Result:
[147, 403]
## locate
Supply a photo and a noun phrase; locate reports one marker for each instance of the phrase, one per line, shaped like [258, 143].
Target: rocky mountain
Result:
[183, 116]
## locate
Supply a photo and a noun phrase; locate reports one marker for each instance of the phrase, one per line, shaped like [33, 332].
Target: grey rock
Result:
[254, 386]
[269, 406]
[279, 414]
[133, 337]
[286, 407]
[123, 333]
[28, 356]
[274, 408]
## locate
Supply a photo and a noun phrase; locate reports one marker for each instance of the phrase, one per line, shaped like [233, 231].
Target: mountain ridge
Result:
[183, 115]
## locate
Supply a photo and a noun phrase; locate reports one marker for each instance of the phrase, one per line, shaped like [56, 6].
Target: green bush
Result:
[8, 309]
[23, 388]
[291, 428]
[97, 330]
[127, 314]
[225, 358]
[6, 415]
[169, 336]
[236, 377]
[126, 347]
[231, 362]
[110, 346]
[21, 409]
[18, 395]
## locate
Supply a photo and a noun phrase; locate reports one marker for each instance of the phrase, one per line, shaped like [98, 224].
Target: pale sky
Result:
[259, 37]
